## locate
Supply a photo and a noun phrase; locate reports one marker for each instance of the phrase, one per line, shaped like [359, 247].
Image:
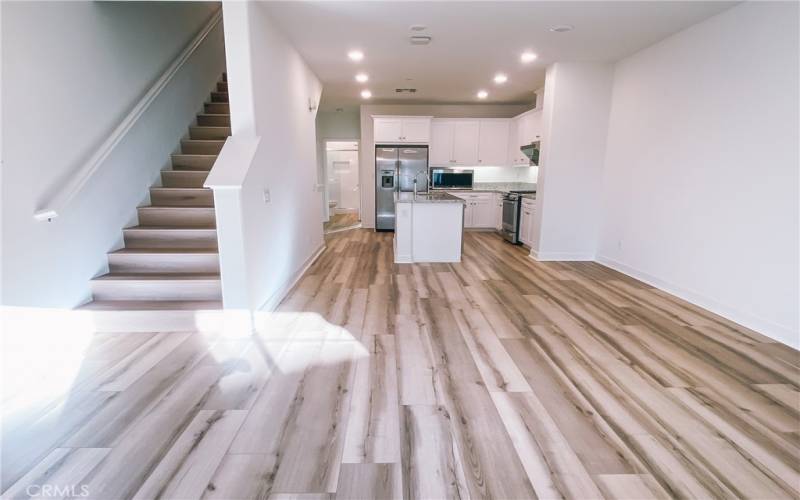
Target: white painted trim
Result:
[562, 256]
[772, 330]
[272, 303]
[55, 206]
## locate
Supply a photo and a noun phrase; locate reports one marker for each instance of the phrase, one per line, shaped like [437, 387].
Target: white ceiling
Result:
[471, 42]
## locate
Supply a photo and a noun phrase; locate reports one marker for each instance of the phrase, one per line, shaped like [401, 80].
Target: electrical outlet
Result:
[266, 196]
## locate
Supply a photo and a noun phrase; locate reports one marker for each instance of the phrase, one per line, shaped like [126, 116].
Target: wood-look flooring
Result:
[338, 222]
[498, 377]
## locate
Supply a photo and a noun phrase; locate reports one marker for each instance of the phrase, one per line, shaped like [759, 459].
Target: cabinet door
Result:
[533, 235]
[498, 212]
[441, 150]
[469, 211]
[388, 130]
[513, 147]
[416, 130]
[493, 143]
[465, 142]
[524, 225]
[535, 126]
[483, 213]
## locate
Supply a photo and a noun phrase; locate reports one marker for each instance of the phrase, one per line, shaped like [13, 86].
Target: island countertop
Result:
[432, 197]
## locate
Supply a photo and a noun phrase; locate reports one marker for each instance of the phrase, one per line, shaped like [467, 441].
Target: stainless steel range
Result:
[511, 217]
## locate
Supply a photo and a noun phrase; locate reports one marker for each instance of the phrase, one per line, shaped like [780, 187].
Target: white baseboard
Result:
[563, 256]
[272, 303]
[772, 330]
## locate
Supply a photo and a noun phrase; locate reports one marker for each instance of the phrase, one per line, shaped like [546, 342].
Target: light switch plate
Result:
[266, 196]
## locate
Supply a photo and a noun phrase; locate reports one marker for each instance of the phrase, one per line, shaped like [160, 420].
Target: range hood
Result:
[532, 152]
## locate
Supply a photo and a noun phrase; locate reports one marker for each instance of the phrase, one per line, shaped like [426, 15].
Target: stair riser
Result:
[183, 179]
[189, 198]
[177, 217]
[219, 97]
[222, 86]
[197, 163]
[169, 238]
[201, 147]
[217, 108]
[161, 263]
[156, 290]
[217, 133]
[214, 120]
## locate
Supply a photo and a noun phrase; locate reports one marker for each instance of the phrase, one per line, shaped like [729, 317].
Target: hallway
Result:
[376, 380]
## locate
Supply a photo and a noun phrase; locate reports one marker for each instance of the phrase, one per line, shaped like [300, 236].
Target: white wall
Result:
[574, 128]
[367, 155]
[270, 86]
[333, 125]
[701, 181]
[71, 71]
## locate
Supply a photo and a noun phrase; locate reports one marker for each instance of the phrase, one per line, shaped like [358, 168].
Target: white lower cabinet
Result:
[479, 211]
[498, 214]
[527, 212]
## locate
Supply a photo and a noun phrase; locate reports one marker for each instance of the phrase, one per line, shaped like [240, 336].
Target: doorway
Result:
[342, 186]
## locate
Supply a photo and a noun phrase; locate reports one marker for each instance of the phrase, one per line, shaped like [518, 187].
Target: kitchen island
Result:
[428, 227]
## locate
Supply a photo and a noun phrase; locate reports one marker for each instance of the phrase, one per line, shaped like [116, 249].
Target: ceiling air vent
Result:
[420, 39]
[405, 91]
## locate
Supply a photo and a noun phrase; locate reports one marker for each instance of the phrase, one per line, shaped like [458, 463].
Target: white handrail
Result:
[55, 206]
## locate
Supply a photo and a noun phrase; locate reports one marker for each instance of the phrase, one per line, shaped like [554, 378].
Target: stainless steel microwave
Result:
[449, 178]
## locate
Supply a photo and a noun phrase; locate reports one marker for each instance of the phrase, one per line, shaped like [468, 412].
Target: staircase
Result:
[169, 267]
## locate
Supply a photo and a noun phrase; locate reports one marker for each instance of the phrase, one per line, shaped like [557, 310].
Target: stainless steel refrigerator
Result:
[396, 167]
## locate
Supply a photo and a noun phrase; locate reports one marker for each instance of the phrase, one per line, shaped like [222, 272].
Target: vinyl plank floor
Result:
[497, 377]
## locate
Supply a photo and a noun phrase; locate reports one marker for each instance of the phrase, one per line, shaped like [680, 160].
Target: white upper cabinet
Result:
[493, 142]
[441, 150]
[454, 143]
[402, 129]
[465, 142]
[527, 129]
[459, 142]
[417, 130]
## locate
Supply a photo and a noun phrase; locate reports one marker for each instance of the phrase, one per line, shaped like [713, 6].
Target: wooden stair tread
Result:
[165, 251]
[152, 305]
[176, 207]
[168, 228]
[169, 265]
[157, 277]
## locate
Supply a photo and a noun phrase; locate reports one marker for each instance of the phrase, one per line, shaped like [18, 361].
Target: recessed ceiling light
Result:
[527, 56]
[482, 94]
[561, 28]
[362, 77]
[420, 39]
[418, 27]
[355, 55]
[366, 94]
[500, 78]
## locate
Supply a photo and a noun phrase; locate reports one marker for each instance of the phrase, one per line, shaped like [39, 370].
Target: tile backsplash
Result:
[505, 174]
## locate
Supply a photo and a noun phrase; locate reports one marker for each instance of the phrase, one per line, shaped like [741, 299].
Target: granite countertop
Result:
[433, 197]
[529, 196]
[497, 187]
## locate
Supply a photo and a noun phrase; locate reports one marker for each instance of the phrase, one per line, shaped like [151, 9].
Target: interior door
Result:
[465, 142]
[441, 152]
